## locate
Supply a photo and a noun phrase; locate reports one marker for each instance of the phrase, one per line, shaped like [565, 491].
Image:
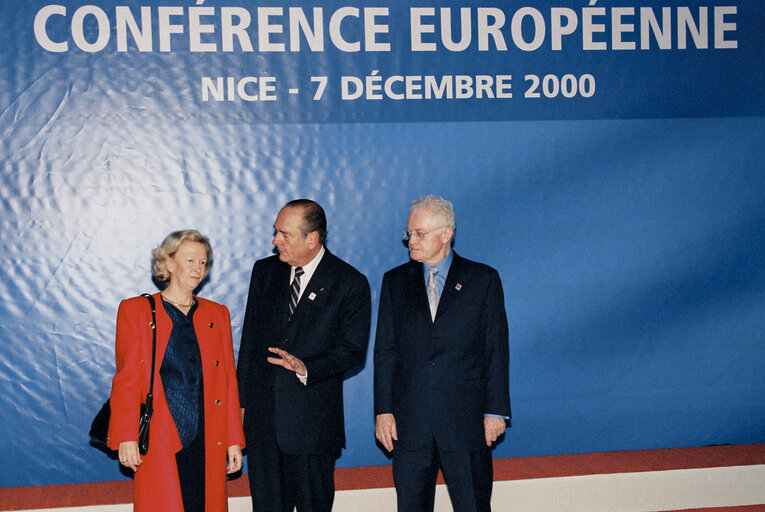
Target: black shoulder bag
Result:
[99, 429]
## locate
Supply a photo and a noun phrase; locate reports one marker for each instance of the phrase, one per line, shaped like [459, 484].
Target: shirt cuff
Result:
[303, 378]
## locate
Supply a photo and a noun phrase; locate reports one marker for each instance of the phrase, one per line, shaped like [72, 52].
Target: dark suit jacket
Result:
[442, 376]
[329, 331]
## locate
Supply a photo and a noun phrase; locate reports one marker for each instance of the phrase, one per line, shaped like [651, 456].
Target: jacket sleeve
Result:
[247, 349]
[127, 388]
[233, 419]
[384, 353]
[496, 349]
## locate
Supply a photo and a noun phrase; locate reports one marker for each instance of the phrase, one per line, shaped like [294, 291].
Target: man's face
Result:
[294, 248]
[430, 237]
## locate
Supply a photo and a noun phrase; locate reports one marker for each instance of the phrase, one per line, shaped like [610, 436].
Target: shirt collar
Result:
[442, 266]
[308, 269]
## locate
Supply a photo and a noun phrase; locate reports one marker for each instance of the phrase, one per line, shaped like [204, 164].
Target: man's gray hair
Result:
[437, 205]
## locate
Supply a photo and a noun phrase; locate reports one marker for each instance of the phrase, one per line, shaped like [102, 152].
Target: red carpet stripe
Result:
[520, 468]
[748, 508]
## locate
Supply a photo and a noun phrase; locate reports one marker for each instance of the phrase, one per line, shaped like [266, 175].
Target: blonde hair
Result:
[169, 247]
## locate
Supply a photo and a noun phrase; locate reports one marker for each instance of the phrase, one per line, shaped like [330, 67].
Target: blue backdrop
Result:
[623, 205]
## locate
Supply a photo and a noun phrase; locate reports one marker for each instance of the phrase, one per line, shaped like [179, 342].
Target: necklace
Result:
[178, 305]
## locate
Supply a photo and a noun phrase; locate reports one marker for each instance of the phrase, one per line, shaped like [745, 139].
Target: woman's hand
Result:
[129, 456]
[234, 459]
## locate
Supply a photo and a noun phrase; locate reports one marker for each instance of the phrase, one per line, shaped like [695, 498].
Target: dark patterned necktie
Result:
[295, 289]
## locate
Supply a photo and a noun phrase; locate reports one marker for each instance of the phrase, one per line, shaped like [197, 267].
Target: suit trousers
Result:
[468, 477]
[281, 481]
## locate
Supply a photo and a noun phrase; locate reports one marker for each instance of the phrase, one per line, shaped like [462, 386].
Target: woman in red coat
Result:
[196, 436]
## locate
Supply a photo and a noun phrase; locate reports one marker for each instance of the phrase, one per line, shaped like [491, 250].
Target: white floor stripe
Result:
[635, 492]
[621, 492]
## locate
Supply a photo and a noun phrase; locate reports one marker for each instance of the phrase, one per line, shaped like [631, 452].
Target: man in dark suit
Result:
[305, 326]
[441, 366]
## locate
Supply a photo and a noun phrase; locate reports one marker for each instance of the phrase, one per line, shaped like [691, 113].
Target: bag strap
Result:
[153, 326]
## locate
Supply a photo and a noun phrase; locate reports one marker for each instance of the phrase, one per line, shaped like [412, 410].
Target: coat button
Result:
[216, 363]
[211, 324]
[220, 443]
[217, 402]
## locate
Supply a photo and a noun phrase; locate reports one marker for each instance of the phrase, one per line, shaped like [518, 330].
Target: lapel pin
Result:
[312, 296]
[458, 287]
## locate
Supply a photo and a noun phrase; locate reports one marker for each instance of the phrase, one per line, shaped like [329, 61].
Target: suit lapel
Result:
[416, 291]
[203, 323]
[164, 327]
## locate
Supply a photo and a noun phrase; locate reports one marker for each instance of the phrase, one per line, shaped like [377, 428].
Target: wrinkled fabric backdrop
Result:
[624, 205]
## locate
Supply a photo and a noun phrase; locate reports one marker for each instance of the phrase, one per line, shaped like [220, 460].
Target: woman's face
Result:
[188, 266]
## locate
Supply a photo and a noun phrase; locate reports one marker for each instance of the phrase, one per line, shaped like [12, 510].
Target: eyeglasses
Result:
[418, 233]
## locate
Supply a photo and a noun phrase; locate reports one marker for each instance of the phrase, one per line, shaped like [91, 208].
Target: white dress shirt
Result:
[308, 270]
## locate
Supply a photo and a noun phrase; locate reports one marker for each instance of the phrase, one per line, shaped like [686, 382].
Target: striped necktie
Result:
[295, 289]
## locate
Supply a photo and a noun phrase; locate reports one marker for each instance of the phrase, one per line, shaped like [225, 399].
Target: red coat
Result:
[156, 481]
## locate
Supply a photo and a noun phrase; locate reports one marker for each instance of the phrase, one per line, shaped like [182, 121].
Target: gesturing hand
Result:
[287, 361]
